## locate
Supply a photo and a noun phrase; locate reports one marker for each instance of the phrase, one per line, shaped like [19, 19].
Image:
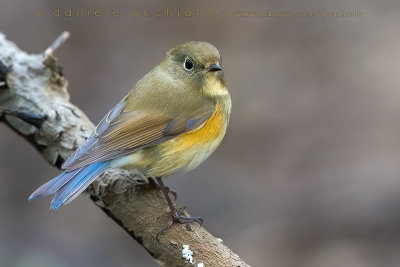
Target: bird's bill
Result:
[214, 67]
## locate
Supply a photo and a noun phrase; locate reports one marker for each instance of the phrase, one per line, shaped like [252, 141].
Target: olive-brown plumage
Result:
[171, 121]
[169, 102]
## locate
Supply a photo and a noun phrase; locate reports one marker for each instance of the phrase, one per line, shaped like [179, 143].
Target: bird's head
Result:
[197, 65]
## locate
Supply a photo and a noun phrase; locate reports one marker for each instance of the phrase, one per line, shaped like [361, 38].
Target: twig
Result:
[48, 55]
[56, 44]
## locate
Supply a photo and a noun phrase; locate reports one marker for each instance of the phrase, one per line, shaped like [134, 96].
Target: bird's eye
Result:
[188, 64]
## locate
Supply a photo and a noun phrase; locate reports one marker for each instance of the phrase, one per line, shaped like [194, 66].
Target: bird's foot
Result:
[176, 216]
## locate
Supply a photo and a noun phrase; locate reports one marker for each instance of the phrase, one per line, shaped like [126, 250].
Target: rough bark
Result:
[34, 102]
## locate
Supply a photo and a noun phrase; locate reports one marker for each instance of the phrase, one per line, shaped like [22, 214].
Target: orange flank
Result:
[188, 150]
[210, 131]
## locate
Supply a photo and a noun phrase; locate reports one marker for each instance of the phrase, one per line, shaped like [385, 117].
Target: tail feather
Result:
[77, 184]
[68, 185]
[52, 186]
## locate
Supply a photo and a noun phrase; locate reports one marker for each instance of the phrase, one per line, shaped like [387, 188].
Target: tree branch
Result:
[35, 103]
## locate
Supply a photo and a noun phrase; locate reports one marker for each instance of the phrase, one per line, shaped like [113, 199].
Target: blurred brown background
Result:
[309, 172]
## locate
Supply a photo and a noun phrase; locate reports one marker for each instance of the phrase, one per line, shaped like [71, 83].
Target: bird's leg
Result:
[176, 215]
[153, 182]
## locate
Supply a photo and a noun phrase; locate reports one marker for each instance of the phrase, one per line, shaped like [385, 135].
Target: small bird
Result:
[171, 121]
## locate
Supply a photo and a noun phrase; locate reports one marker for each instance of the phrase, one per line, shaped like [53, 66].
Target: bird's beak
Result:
[214, 67]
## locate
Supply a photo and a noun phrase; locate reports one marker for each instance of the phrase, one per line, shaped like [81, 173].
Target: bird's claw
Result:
[176, 216]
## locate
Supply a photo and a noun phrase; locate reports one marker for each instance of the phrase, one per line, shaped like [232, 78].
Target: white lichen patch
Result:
[187, 254]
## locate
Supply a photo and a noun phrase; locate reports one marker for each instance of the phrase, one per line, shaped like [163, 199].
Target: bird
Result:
[171, 121]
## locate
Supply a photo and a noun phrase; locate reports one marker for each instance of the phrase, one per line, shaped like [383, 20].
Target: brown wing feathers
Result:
[130, 131]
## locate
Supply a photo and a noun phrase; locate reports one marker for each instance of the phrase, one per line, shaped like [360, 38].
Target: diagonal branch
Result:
[35, 104]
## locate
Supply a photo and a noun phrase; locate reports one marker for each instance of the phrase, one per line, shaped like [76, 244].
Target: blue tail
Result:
[68, 185]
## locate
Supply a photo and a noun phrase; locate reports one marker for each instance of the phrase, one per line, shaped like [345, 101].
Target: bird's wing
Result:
[121, 133]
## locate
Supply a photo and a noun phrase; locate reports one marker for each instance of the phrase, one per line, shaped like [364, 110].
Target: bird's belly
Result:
[164, 160]
[177, 157]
